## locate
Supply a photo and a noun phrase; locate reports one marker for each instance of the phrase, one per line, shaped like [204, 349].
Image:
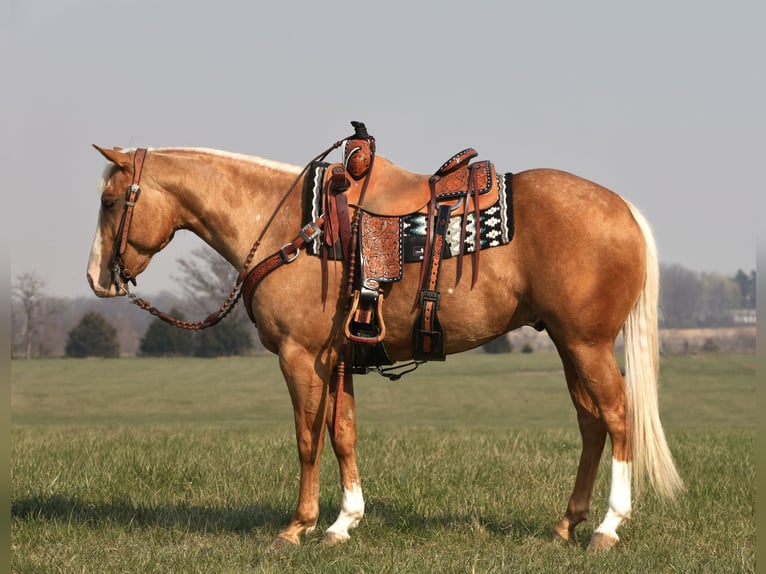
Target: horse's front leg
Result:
[343, 433]
[309, 394]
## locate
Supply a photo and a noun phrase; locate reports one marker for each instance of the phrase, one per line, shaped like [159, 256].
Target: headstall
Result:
[117, 263]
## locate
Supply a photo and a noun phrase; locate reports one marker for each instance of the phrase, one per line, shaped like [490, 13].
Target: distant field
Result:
[189, 465]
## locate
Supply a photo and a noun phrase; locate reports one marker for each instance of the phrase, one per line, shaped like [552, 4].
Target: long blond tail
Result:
[651, 455]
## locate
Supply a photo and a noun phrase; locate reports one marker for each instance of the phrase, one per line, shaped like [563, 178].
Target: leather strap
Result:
[477, 222]
[340, 379]
[344, 223]
[131, 197]
[429, 335]
[472, 195]
[287, 254]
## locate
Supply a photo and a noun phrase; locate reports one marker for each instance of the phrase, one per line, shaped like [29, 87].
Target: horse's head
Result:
[134, 222]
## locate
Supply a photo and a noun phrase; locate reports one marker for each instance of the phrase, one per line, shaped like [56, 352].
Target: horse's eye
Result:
[108, 203]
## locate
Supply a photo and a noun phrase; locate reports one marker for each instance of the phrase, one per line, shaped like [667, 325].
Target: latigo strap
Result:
[428, 336]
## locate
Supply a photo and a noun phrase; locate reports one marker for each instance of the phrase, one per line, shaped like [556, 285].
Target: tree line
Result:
[42, 325]
[689, 299]
[47, 326]
[95, 336]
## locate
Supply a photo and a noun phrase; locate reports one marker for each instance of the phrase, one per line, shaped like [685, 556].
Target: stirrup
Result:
[373, 340]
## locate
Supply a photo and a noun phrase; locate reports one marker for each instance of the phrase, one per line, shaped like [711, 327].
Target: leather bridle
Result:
[117, 262]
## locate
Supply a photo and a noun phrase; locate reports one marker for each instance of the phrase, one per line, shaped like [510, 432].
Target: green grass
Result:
[143, 465]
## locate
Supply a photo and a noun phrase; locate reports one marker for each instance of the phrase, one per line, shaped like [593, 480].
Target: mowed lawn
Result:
[190, 465]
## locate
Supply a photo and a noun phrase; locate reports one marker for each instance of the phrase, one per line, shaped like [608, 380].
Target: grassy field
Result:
[144, 465]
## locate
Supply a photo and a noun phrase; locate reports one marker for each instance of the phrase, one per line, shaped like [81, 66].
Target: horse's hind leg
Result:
[344, 445]
[598, 391]
[593, 434]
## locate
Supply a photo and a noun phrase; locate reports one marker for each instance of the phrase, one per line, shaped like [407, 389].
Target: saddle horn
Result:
[359, 151]
[360, 130]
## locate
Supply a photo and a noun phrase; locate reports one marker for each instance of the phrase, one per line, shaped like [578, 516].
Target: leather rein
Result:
[288, 253]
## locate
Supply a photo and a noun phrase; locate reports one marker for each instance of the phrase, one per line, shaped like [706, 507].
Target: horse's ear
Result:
[115, 155]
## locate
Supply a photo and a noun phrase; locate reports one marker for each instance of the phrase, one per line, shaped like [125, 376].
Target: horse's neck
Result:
[228, 200]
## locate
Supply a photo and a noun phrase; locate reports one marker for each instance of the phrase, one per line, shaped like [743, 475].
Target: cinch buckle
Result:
[288, 258]
[314, 232]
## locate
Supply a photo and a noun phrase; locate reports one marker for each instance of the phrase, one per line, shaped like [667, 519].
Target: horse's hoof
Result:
[563, 536]
[557, 538]
[333, 538]
[601, 542]
[282, 545]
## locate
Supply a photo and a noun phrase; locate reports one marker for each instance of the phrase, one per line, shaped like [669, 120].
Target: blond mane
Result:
[110, 168]
[267, 163]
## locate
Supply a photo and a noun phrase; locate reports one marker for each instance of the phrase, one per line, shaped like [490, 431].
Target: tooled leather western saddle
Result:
[385, 199]
[376, 216]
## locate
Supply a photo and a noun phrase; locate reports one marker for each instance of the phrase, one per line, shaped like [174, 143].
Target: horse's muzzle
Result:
[101, 290]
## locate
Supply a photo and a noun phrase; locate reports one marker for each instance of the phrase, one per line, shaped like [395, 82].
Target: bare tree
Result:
[28, 292]
[207, 278]
[207, 281]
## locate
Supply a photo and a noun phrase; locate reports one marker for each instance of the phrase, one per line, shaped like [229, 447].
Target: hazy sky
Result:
[661, 101]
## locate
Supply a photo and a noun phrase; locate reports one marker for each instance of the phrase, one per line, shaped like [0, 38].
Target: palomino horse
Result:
[582, 263]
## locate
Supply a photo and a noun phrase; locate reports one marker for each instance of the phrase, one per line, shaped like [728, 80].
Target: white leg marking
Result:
[619, 499]
[351, 512]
